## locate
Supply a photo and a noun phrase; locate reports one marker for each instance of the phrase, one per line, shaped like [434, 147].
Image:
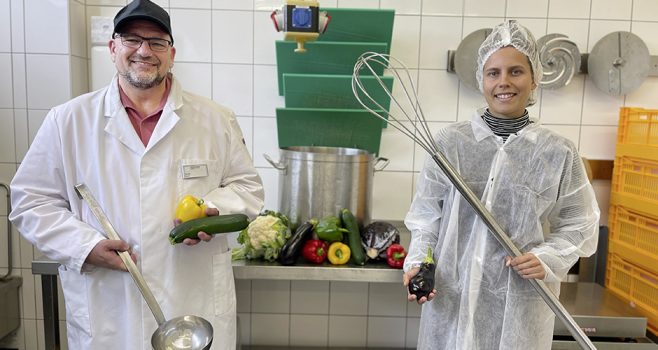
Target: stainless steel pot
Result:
[315, 182]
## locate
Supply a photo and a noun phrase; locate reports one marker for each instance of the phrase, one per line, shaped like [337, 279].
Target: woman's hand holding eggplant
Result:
[406, 277]
[202, 235]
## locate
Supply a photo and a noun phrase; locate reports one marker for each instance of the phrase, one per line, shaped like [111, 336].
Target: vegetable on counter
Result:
[339, 253]
[210, 225]
[395, 255]
[315, 251]
[329, 229]
[264, 237]
[190, 208]
[293, 247]
[377, 237]
[422, 283]
[358, 255]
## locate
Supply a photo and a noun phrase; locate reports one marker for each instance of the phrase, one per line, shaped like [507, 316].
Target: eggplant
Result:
[422, 284]
[377, 237]
[293, 246]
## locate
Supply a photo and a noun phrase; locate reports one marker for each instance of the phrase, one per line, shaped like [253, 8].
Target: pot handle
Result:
[278, 166]
[379, 160]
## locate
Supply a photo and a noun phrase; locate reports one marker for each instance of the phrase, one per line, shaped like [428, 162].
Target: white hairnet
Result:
[511, 33]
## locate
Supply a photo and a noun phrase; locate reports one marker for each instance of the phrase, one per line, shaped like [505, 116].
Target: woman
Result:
[535, 185]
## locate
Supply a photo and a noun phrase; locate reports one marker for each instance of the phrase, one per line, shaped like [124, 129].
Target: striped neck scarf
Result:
[505, 127]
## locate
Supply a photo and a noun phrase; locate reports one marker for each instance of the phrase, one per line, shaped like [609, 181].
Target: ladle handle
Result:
[111, 233]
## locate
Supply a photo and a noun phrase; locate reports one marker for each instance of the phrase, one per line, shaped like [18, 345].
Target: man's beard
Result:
[142, 82]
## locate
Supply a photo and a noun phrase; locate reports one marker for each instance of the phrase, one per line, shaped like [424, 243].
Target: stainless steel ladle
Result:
[183, 332]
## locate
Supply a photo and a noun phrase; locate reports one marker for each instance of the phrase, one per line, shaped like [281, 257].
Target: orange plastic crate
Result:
[636, 286]
[634, 237]
[636, 177]
[638, 126]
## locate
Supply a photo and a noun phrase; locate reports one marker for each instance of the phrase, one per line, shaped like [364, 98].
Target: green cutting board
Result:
[352, 128]
[361, 25]
[326, 57]
[334, 91]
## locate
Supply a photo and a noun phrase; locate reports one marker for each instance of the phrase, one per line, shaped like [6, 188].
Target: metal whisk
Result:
[422, 136]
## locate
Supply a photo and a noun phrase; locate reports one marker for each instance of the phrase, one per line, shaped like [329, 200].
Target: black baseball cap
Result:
[146, 10]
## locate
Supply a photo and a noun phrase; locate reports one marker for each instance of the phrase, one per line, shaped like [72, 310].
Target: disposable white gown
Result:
[535, 186]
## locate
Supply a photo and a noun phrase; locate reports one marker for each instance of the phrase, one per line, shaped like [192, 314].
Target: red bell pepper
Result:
[395, 255]
[315, 251]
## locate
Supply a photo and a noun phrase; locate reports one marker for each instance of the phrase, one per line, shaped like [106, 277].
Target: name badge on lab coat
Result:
[192, 171]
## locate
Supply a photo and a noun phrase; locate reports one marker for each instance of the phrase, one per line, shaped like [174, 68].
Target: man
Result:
[140, 145]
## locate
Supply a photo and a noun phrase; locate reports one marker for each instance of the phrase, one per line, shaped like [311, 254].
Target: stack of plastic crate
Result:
[632, 268]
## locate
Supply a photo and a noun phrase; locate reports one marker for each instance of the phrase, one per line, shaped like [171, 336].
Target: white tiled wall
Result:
[226, 52]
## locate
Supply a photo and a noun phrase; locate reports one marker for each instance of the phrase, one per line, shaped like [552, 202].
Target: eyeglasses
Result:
[135, 41]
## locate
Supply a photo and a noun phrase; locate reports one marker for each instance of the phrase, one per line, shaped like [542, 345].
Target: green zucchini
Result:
[210, 225]
[358, 254]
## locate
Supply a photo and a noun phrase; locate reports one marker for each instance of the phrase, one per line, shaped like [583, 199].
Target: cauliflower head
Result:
[263, 238]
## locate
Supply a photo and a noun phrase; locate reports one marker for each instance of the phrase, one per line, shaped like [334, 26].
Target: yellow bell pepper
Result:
[190, 208]
[339, 253]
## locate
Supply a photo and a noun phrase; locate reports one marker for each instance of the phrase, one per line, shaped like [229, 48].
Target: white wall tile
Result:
[28, 291]
[490, 8]
[469, 101]
[107, 2]
[232, 87]
[266, 91]
[645, 10]
[420, 155]
[42, 33]
[18, 76]
[270, 296]
[347, 331]
[271, 5]
[348, 298]
[406, 40]
[6, 94]
[407, 7]
[265, 141]
[371, 4]
[192, 4]
[396, 147]
[7, 148]
[602, 192]
[391, 205]
[244, 329]
[35, 118]
[600, 28]
[387, 299]
[645, 95]
[243, 295]
[571, 132]
[309, 297]
[195, 77]
[5, 26]
[386, 331]
[406, 79]
[20, 133]
[575, 29]
[48, 80]
[598, 142]
[563, 105]
[232, 4]
[77, 29]
[443, 8]
[79, 76]
[522, 8]
[471, 24]
[569, 8]
[309, 330]
[412, 332]
[232, 37]
[600, 108]
[618, 9]
[265, 37]
[437, 93]
[17, 26]
[270, 177]
[270, 329]
[435, 40]
[647, 32]
[191, 31]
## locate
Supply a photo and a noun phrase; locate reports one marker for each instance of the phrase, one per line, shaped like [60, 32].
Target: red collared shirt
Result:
[144, 124]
